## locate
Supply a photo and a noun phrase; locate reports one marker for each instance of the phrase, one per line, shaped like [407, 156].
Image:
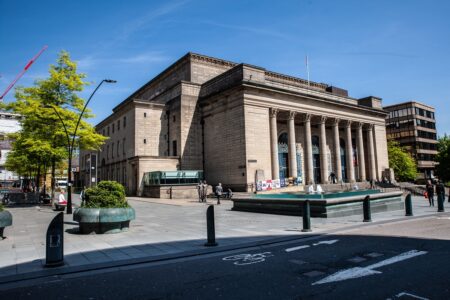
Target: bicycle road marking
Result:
[248, 259]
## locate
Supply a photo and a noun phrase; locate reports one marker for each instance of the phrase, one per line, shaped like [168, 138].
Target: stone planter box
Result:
[103, 220]
[5, 220]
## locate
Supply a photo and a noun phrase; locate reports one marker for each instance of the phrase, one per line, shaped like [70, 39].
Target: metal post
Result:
[306, 216]
[54, 250]
[210, 227]
[366, 209]
[408, 205]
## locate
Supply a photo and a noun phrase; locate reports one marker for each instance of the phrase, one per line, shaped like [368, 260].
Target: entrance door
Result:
[316, 159]
[343, 160]
[283, 157]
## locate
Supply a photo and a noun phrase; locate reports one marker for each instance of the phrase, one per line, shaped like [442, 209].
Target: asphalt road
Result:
[400, 260]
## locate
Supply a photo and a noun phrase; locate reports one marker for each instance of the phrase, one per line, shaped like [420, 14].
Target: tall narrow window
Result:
[118, 125]
[174, 148]
[124, 121]
[117, 150]
[112, 150]
[123, 146]
[107, 152]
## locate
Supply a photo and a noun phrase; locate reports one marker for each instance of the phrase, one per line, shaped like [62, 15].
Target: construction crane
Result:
[28, 65]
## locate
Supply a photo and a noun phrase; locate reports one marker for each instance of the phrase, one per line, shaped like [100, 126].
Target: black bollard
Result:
[366, 209]
[210, 227]
[440, 200]
[408, 205]
[306, 216]
[54, 252]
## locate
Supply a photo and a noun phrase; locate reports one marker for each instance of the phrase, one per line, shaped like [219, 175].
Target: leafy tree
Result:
[50, 110]
[401, 162]
[443, 158]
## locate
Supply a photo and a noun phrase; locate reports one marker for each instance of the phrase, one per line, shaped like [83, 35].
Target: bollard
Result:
[366, 209]
[408, 205]
[54, 251]
[210, 227]
[440, 200]
[306, 216]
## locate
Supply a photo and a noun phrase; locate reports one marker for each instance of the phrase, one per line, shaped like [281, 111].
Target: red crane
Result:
[28, 65]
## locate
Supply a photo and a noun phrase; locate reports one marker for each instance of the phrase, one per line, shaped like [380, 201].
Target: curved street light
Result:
[71, 143]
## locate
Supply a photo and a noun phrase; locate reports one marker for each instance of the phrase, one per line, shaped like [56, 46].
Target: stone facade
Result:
[234, 120]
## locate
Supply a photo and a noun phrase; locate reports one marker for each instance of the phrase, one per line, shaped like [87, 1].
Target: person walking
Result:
[219, 191]
[430, 192]
[204, 191]
[200, 191]
[440, 193]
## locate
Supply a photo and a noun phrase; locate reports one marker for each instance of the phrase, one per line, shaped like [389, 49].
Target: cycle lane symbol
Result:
[248, 259]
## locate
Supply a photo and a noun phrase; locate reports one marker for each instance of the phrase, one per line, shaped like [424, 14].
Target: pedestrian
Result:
[219, 191]
[83, 195]
[204, 191]
[200, 191]
[229, 193]
[440, 192]
[333, 177]
[429, 187]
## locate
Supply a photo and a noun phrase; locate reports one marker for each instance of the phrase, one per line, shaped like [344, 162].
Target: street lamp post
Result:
[71, 143]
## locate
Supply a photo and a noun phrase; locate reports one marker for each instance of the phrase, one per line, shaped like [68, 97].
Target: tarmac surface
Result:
[163, 229]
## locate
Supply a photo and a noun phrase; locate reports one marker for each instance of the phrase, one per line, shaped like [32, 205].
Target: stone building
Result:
[413, 125]
[241, 124]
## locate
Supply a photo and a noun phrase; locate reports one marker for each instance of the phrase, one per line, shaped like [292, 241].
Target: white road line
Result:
[331, 242]
[297, 248]
[367, 271]
[410, 295]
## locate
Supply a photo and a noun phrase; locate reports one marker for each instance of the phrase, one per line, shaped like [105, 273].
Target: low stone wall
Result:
[322, 208]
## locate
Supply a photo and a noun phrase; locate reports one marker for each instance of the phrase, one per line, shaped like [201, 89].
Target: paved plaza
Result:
[162, 229]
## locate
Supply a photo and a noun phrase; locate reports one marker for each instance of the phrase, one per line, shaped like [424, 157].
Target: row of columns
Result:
[322, 145]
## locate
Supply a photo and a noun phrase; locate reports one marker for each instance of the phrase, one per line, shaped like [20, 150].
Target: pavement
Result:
[163, 229]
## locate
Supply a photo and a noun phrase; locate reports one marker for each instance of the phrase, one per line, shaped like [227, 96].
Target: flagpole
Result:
[307, 68]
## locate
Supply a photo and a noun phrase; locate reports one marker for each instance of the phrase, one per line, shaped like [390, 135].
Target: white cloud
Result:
[145, 58]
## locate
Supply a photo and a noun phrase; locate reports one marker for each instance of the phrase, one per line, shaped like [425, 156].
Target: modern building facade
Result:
[9, 123]
[241, 124]
[413, 125]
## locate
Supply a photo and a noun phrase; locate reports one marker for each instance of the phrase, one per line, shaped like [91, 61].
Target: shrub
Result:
[1, 207]
[107, 194]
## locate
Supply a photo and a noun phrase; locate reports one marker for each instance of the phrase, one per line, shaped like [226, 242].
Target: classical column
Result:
[349, 152]
[323, 151]
[292, 148]
[373, 170]
[361, 162]
[308, 150]
[274, 144]
[337, 151]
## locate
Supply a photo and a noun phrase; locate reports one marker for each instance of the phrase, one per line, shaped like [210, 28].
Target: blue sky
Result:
[397, 50]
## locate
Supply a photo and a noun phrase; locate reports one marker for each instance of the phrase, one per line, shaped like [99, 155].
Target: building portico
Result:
[322, 143]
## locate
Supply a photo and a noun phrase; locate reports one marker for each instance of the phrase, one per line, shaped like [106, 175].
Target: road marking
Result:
[367, 271]
[296, 248]
[410, 295]
[248, 259]
[330, 242]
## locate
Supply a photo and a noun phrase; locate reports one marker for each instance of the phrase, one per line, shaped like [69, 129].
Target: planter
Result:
[103, 220]
[5, 220]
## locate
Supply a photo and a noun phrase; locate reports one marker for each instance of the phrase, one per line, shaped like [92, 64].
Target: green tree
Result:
[50, 110]
[443, 158]
[401, 162]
